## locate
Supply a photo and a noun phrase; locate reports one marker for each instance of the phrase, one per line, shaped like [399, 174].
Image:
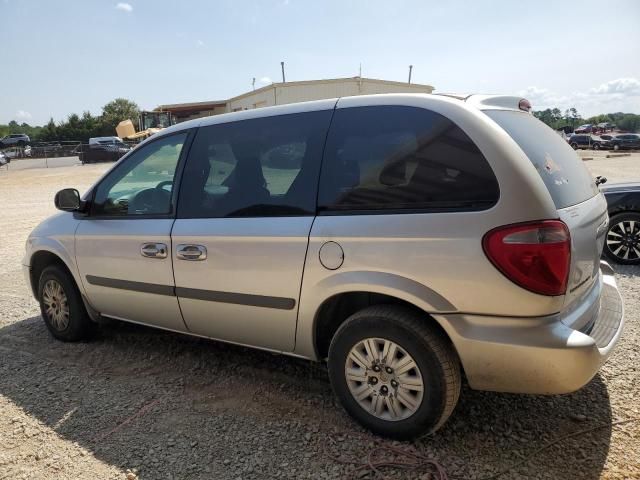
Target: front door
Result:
[123, 247]
[245, 211]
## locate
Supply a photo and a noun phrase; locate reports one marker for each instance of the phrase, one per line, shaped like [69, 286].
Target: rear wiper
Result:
[600, 180]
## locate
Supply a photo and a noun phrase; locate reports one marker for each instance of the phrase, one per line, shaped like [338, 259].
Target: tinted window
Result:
[141, 184]
[253, 168]
[563, 172]
[395, 157]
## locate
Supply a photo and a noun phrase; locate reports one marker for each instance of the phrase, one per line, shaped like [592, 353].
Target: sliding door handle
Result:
[188, 251]
[154, 250]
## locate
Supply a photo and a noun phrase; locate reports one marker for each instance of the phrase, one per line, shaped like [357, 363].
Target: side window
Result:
[395, 157]
[143, 183]
[255, 168]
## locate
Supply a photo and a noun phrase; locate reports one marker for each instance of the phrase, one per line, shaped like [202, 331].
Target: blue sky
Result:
[64, 56]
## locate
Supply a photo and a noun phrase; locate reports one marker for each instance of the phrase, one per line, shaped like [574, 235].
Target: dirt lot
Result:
[140, 402]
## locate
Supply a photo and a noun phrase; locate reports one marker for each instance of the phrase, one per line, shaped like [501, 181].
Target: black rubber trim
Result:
[280, 303]
[129, 285]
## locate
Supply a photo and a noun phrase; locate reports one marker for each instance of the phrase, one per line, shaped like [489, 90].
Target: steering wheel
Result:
[163, 184]
[150, 201]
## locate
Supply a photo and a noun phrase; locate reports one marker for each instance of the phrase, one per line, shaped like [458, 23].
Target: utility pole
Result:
[253, 83]
[282, 66]
[410, 68]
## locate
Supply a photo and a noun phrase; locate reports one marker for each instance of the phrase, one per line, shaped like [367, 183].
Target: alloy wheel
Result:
[623, 240]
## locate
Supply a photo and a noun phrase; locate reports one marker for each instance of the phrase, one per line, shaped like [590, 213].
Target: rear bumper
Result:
[544, 355]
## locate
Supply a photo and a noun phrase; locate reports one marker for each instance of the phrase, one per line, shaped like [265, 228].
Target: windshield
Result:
[565, 176]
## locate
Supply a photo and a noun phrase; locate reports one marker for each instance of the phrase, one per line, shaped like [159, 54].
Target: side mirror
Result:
[68, 200]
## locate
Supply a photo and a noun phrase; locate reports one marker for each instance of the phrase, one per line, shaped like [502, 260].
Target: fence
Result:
[46, 150]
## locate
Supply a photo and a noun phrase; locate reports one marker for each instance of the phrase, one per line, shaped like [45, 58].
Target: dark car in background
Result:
[103, 149]
[622, 244]
[587, 141]
[626, 141]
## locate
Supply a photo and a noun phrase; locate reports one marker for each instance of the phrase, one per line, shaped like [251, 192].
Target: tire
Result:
[616, 147]
[437, 368]
[54, 286]
[596, 146]
[574, 146]
[620, 242]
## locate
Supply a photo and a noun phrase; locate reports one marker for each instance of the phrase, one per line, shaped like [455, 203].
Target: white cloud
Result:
[199, 43]
[541, 97]
[125, 7]
[624, 86]
[23, 115]
[265, 80]
[622, 94]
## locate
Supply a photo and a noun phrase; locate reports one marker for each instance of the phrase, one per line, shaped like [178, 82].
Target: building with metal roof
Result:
[290, 92]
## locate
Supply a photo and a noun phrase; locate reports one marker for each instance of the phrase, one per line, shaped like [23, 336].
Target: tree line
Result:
[557, 119]
[79, 127]
[82, 127]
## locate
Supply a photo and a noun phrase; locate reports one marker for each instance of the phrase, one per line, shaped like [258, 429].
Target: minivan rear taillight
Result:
[536, 255]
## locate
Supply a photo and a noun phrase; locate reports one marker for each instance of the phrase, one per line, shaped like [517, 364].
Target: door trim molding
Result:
[131, 285]
[281, 303]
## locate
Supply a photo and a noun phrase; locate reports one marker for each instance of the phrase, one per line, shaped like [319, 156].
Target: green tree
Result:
[116, 111]
[629, 122]
[49, 132]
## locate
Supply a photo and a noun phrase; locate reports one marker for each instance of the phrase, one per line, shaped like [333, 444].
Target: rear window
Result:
[565, 176]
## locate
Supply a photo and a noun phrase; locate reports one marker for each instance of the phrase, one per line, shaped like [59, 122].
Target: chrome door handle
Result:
[188, 251]
[154, 250]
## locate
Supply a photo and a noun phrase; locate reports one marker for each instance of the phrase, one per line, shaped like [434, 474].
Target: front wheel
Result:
[596, 146]
[574, 146]
[61, 305]
[394, 372]
[622, 244]
[616, 147]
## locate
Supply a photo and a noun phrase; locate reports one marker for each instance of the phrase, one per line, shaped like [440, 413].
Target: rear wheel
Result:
[596, 146]
[574, 146]
[61, 305]
[394, 372]
[622, 244]
[616, 147]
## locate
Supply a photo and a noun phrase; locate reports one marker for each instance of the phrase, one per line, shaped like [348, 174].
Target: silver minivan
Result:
[405, 239]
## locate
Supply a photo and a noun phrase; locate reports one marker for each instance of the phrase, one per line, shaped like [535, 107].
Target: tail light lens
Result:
[536, 256]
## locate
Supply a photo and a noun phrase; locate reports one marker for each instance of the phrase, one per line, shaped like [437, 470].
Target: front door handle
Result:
[154, 250]
[189, 251]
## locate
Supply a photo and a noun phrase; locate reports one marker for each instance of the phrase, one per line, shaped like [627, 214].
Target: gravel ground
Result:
[141, 403]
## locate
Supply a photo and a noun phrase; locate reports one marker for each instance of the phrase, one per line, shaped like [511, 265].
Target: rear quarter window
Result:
[402, 158]
[561, 169]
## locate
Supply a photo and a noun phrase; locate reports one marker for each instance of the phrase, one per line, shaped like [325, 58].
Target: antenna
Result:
[410, 68]
[282, 66]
